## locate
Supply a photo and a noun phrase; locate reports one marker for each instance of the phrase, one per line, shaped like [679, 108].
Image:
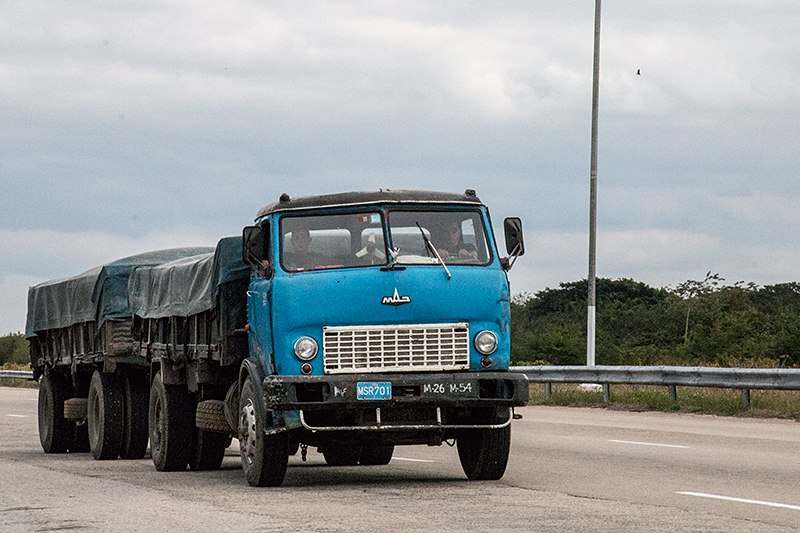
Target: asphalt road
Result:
[570, 470]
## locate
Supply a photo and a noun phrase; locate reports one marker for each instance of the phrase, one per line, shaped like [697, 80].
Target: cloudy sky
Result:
[144, 124]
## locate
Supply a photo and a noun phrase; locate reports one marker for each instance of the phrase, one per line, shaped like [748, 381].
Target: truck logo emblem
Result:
[396, 299]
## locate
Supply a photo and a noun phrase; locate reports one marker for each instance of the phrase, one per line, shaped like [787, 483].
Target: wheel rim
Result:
[248, 432]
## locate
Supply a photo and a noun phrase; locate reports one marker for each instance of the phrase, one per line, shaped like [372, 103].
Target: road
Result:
[570, 470]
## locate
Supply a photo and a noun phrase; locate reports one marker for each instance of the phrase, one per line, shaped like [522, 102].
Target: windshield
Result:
[459, 237]
[332, 241]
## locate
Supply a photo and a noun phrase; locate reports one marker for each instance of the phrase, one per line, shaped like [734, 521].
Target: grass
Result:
[726, 402]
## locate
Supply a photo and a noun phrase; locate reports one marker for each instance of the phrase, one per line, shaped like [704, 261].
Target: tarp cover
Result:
[186, 286]
[97, 294]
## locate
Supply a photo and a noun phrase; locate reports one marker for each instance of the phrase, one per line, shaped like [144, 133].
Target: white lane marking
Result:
[741, 500]
[414, 460]
[18, 416]
[647, 443]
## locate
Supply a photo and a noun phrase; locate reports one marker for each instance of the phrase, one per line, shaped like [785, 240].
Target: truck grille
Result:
[400, 348]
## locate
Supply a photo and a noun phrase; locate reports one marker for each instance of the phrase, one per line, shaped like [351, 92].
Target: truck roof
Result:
[285, 203]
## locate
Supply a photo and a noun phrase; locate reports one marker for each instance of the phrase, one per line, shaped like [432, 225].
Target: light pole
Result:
[590, 319]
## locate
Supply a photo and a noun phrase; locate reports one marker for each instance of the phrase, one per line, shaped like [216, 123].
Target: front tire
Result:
[104, 415]
[264, 457]
[484, 452]
[171, 420]
[55, 432]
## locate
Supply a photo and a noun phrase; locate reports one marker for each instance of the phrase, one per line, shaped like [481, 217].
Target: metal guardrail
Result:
[744, 379]
[16, 374]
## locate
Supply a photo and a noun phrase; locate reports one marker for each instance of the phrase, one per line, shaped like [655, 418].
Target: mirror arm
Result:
[508, 262]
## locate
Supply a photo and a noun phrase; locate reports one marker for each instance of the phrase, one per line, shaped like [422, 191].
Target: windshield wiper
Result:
[430, 245]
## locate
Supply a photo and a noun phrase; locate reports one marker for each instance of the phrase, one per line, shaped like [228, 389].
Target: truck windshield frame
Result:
[459, 235]
[327, 241]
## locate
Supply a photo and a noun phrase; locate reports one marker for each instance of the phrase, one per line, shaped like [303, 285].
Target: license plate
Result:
[372, 390]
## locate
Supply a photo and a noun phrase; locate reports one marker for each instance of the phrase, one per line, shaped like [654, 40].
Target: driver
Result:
[300, 257]
[451, 245]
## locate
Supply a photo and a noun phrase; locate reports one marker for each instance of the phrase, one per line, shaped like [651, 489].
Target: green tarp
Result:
[95, 295]
[186, 286]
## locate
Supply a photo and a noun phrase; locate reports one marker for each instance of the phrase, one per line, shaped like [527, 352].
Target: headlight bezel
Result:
[306, 348]
[485, 342]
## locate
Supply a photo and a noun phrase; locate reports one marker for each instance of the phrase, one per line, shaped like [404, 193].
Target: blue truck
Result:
[352, 323]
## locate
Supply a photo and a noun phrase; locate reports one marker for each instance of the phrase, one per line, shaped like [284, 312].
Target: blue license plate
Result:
[372, 390]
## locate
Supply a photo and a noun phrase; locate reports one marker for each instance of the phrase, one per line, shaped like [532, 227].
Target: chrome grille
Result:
[397, 348]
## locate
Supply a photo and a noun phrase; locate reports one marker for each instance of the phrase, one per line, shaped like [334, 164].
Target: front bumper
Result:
[454, 400]
[445, 389]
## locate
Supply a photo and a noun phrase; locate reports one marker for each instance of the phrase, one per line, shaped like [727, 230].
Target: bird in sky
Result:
[638, 72]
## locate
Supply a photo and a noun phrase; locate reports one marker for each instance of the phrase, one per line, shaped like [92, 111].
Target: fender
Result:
[251, 368]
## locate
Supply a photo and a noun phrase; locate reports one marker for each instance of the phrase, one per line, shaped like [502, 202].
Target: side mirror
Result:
[254, 245]
[515, 246]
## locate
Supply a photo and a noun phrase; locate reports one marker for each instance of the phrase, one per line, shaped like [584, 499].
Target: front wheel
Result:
[264, 457]
[484, 452]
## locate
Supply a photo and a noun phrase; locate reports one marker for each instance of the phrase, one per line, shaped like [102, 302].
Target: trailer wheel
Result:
[484, 452]
[104, 415]
[55, 432]
[264, 457]
[134, 431]
[171, 422]
[344, 455]
[376, 455]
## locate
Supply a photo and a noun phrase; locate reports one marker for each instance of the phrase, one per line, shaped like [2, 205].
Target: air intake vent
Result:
[396, 348]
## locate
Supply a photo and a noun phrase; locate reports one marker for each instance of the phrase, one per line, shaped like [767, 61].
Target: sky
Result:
[137, 125]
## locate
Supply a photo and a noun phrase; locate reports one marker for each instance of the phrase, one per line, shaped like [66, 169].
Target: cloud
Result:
[149, 124]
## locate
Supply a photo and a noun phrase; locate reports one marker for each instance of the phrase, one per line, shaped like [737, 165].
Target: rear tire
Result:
[135, 431]
[80, 439]
[171, 420]
[264, 457]
[484, 452]
[104, 415]
[208, 450]
[342, 455]
[376, 455]
[55, 432]
[211, 436]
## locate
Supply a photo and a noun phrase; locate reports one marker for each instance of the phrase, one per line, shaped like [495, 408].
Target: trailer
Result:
[93, 393]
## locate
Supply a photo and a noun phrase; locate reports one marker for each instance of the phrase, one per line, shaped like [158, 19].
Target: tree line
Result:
[697, 323]
[14, 349]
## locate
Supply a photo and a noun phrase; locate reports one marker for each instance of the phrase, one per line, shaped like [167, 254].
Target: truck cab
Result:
[377, 319]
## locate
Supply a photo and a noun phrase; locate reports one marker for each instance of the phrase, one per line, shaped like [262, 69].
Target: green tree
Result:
[697, 323]
[14, 349]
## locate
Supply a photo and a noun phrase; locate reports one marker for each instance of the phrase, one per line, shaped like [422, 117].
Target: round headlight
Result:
[486, 342]
[306, 348]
